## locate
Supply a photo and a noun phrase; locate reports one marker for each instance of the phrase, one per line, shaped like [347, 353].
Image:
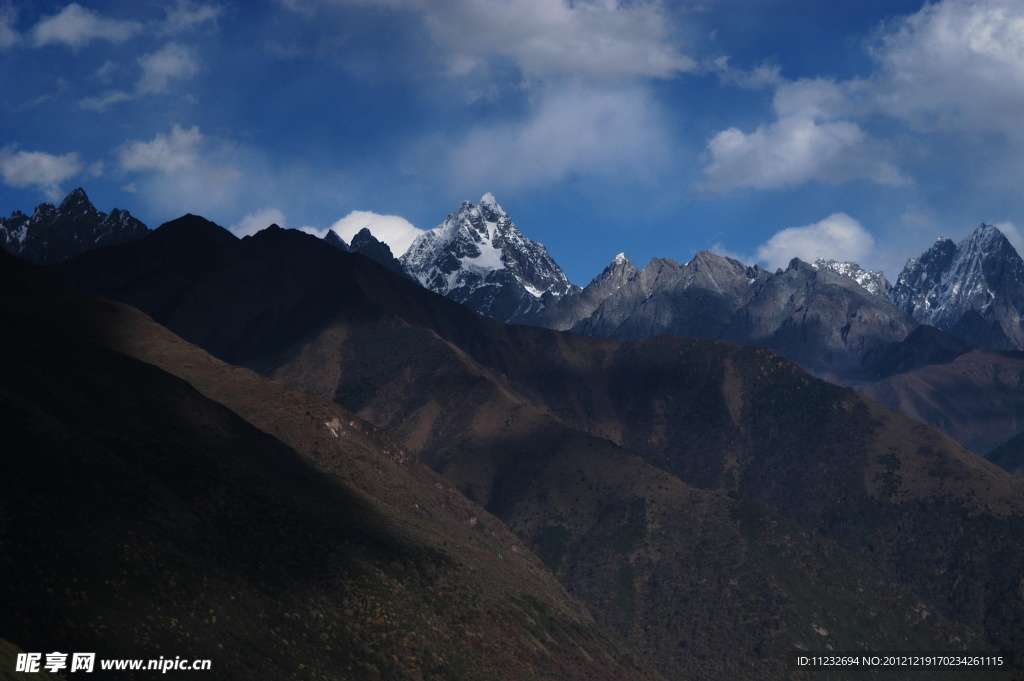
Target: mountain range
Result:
[362, 471]
[712, 505]
[835, 319]
[840, 322]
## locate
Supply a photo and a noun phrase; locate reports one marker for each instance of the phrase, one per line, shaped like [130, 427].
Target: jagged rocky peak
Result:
[713, 270]
[873, 282]
[621, 268]
[478, 257]
[77, 204]
[333, 239]
[56, 233]
[974, 289]
[367, 244]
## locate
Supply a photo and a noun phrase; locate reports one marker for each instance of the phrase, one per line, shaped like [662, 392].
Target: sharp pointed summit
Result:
[54, 234]
[478, 257]
[974, 289]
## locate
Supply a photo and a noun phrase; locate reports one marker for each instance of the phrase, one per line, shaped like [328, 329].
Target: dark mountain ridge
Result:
[222, 516]
[541, 426]
[835, 319]
[54, 234]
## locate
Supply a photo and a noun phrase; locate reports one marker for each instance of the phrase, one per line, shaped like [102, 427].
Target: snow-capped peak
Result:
[489, 200]
[478, 255]
[982, 275]
[873, 282]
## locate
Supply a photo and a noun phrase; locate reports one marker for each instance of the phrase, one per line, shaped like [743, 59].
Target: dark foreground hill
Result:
[280, 538]
[714, 506]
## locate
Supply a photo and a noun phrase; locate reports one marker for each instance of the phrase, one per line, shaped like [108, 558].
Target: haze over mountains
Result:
[712, 506]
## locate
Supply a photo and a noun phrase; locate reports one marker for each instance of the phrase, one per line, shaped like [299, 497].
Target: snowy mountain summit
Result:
[478, 257]
[974, 289]
[873, 282]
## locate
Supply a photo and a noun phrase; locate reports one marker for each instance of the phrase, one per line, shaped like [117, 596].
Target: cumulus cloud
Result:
[164, 153]
[795, 150]
[809, 141]
[838, 236]
[955, 64]
[397, 232]
[609, 132]
[172, 62]
[258, 220]
[38, 169]
[76, 26]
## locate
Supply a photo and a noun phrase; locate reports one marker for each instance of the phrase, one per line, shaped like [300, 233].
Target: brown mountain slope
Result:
[139, 519]
[1010, 455]
[508, 412]
[695, 580]
[722, 417]
[976, 398]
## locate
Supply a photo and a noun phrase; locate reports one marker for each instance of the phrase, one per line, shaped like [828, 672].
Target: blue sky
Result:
[762, 129]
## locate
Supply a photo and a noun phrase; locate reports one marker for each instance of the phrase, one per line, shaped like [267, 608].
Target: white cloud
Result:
[258, 220]
[795, 150]
[720, 249]
[9, 36]
[1012, 234]
[172, 62]
[760, 77]
[164, 153]
[604, 132]
[76, 26]
[807, 142]
[106, 100]
[186, 15]
[38, 169]
[838, 236]
[598, 40]
[397, 232]
[955, 64]
[593, 40]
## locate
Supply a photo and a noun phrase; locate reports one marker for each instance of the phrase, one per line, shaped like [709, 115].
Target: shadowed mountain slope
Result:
[976, 398]
[140, 518]
[1010, 455]
[543, 428]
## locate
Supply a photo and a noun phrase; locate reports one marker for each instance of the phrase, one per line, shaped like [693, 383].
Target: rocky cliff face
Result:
[478, 257]
[974, 289]
[696, 299]
[825, 316]
[54, 234]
